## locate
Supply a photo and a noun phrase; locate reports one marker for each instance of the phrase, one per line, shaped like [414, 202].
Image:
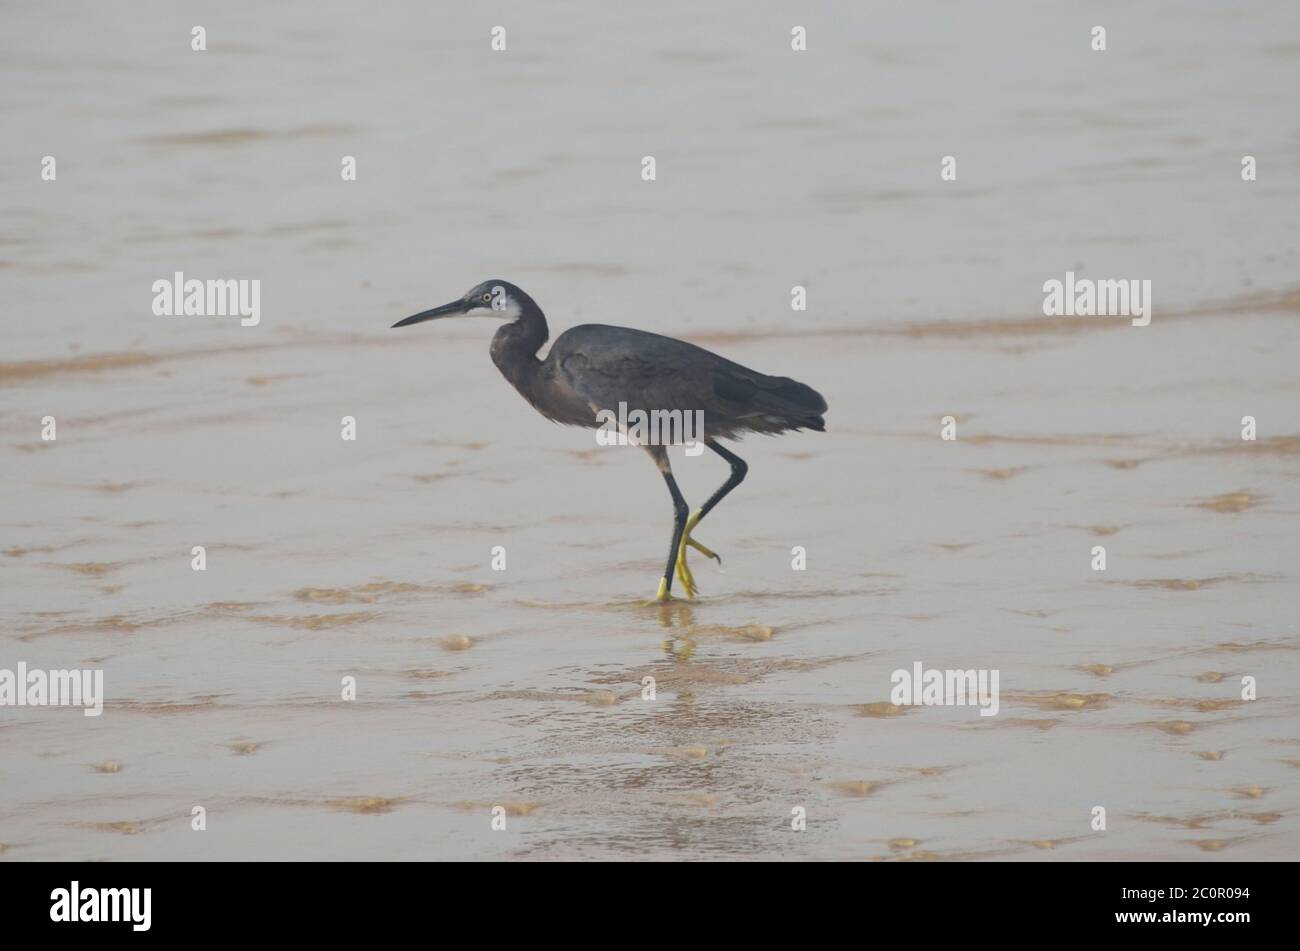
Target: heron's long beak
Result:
[455, 308]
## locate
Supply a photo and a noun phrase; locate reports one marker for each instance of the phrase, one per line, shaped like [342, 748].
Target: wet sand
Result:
[523, 688]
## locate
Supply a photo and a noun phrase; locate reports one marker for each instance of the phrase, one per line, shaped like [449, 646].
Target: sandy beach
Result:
[522, 689]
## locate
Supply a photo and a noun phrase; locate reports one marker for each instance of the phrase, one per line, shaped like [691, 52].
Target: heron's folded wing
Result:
[605, 379]
[760, 394]
[684, 378]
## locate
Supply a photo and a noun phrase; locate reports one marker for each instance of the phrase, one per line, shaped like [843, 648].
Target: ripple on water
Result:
[1097, 670]
[359, 805]
[513, 807]
[880, 709]
[855, 788]
[1063, 700]
[314, 622]
[1230, 502]
[377, 591]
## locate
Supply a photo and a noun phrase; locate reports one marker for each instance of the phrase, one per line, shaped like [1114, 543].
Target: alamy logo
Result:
[945, 688]
[52, 688]
[103, 904]
[659, 427]
[193, 298]
[1088, 298]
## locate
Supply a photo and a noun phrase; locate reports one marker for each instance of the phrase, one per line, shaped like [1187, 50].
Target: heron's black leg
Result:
[738, 470]
[680, 512]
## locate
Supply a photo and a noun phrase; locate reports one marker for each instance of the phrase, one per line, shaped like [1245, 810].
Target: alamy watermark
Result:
[658, 427]
[103, 904]
[945, 688]
[52, 688]
[1087, 298]
[194, 298]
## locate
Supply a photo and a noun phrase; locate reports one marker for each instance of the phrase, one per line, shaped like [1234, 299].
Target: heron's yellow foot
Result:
[662, 594]
[683, 568]
[684, 572]
[691, 522]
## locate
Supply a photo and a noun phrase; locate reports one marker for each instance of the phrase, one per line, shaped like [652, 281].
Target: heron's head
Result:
[489, 299]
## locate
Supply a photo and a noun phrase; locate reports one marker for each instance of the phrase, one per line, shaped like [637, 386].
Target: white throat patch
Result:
[503, 305]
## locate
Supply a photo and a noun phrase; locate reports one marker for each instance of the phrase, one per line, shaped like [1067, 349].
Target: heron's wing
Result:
[651, 372]
[606, 380]
[763, 395]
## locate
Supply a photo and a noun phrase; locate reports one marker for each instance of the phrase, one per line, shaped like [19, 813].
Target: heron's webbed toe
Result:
[684, 573]
[683, 569]
[691, 522]
[706, 552]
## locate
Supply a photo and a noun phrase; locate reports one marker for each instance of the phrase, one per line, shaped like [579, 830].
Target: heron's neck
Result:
[515, 346]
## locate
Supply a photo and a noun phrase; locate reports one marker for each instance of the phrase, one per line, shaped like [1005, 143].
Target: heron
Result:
[596, 369]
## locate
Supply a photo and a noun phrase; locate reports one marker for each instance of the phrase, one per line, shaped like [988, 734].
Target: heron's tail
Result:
[797, 404]
[767, 404]
[816, 423]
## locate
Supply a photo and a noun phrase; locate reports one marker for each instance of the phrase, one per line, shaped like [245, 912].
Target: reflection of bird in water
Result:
[595, 368]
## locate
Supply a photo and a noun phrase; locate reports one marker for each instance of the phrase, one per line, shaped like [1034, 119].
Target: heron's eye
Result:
[486, 298]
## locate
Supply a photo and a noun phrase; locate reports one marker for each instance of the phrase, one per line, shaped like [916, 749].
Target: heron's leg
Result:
[739, 468]
[680, 513]
[683, 569]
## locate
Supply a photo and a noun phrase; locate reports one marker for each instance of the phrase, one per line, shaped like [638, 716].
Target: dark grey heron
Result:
[594, 371]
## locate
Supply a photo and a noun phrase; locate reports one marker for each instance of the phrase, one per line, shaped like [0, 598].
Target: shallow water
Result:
[522, 688]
